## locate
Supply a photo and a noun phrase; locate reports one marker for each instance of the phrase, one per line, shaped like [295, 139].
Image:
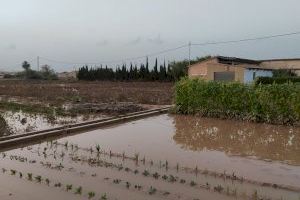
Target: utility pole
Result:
[190, 44]
[38, 63]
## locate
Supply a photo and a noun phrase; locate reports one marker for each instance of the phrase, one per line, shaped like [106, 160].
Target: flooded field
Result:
[20, 122]
[163, 157]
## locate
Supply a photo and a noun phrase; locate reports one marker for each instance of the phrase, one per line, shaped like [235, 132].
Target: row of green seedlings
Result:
[96, 162]
[146, 173]
[68, 187]
[165, 164]
[152, 190]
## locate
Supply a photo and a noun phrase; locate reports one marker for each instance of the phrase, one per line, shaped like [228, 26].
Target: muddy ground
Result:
[56, 92]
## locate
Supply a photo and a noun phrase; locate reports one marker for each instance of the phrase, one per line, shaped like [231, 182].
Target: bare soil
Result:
[155, 93]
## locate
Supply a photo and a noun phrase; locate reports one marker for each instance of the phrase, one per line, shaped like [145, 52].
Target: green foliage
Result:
[276, 103]
[277, 80]
[171, 72]
[46, 72]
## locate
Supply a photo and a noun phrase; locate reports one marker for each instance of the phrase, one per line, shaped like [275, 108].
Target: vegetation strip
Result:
[276, 103]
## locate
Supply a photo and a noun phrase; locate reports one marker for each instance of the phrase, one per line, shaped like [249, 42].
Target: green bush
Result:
[276, 103]
[278, 80]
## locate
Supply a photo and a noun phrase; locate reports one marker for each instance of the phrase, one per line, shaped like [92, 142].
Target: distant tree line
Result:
[46, 73]
[171, 72]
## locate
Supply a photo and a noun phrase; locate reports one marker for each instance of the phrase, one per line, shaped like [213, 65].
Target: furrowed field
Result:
[93, 92]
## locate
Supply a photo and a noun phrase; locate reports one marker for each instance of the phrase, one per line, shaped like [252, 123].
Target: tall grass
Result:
[276, 103]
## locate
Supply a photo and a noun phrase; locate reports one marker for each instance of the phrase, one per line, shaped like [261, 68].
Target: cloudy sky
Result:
[92, 31]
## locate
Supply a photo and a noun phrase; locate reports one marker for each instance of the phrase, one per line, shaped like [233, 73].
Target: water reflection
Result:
[263, 141]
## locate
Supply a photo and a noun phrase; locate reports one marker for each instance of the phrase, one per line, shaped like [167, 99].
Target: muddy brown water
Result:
[257, 152]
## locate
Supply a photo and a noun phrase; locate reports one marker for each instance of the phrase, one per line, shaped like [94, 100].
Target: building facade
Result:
[242, 70]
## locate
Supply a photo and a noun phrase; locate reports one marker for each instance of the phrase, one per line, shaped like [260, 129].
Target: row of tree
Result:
[171, 72]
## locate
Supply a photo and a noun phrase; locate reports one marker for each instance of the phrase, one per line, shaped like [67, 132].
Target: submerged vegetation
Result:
[276, 103]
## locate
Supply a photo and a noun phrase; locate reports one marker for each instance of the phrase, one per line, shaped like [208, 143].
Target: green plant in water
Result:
[78, 190]
[91, 195]
[152, 190]
[156, 175]
[47, 181]
[98, 148]
[69, 187]
[146, 173]
[38, 179]
[193, 183]
[103, 196]
[13, 172]
[29, 176]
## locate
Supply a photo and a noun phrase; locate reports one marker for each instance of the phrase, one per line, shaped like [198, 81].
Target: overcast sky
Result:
[82, 31]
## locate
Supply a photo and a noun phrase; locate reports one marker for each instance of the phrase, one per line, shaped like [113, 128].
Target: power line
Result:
[247, 39]
[116, 61]
[173, 49]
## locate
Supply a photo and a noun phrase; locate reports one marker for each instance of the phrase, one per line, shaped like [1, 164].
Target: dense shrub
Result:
[278, 80]
[276, 103]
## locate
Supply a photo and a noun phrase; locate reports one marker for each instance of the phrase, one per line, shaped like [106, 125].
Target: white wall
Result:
[249, 74]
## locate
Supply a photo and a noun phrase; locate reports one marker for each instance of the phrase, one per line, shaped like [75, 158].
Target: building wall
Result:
[251, 74]
[207, 68]
[282, 64]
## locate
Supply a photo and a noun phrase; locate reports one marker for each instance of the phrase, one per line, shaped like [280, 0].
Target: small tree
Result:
[26, 66]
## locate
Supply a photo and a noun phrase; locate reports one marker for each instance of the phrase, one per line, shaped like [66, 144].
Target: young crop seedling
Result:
[78, 190]
[20, 174]
[57, 185]
[103, 197]
[29, 176]
[146, 173]
[116, 181]
[98, 149]
[47, 181]
[91, 195]
[139, 187]
[128, 185]
[182, 181]
[69, 187]
[152, 190]
[38, 179]
[193, 183]
[13, 172]
[156, 175]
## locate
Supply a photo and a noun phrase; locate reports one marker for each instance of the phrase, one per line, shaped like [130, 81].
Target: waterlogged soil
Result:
[163, 157]
[12, 123]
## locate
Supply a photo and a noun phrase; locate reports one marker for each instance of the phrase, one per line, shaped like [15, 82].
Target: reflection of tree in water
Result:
[4, 130]
[279, 143]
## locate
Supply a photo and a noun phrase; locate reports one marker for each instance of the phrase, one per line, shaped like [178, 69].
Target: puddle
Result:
[168, 157]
